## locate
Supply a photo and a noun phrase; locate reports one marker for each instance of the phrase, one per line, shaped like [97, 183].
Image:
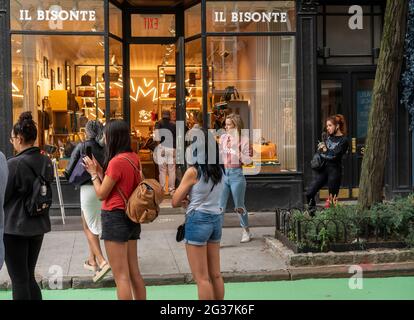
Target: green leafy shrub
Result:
[391, 221]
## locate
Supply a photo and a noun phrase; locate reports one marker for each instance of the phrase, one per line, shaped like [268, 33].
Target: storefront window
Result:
[193, 81]
[152, 89]
[116, 84]
[251, 16]
[193, 21]
[153, 25]
[256, 78]
[52, 15]
[58, 79]
[115, 20]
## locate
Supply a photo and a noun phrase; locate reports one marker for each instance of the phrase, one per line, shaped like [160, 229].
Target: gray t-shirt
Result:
[4, 172]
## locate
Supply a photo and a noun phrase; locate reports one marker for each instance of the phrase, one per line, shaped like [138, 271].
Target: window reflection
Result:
[255, 77]
[59, 79]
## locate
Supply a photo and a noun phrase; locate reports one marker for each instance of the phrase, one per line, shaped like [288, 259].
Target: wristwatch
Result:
[94, 178]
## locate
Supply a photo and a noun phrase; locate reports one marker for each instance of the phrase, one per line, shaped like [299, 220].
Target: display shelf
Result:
[193, 82]
[94, 105]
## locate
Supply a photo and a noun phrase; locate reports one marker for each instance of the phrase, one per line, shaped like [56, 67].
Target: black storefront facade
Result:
[292, 70]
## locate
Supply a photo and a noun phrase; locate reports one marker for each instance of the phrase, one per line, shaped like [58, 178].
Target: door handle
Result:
[354, 145]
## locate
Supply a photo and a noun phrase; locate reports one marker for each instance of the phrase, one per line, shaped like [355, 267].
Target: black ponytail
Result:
[25, 127]
[213, 171]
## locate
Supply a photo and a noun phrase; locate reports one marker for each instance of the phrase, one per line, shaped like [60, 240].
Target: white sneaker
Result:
[246, 237]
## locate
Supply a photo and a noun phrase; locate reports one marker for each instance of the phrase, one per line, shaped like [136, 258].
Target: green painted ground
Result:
[314, 289]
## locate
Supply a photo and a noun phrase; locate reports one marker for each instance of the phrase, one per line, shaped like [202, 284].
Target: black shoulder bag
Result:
[39, 201]
[317, 162]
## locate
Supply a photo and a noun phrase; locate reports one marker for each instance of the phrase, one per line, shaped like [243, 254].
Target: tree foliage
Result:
[407, 79]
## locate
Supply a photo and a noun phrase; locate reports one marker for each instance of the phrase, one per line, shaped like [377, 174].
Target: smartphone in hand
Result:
[89, 151]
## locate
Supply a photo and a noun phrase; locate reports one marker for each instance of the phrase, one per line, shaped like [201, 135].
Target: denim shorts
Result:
[116, 226]
[202, 228]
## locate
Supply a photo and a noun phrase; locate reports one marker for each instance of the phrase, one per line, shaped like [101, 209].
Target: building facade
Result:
[284, 66]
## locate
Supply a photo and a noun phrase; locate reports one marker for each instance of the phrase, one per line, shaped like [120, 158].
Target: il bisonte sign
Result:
[58, 15]
[247, 16]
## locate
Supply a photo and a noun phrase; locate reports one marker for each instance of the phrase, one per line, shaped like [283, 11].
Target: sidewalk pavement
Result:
[163, 261]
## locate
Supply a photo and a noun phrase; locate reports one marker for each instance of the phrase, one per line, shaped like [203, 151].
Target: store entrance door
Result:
[157, 88]
[349, 93]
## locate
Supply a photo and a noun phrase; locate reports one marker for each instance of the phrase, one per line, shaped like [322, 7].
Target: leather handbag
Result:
[317, 162]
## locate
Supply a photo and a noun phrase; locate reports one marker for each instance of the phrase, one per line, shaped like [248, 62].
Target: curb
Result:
[343, 271]
[372, 256]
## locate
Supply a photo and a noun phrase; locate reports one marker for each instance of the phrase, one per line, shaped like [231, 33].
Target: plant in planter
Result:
[350, 228]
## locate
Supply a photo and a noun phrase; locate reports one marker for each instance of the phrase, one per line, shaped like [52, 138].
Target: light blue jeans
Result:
[235, 182]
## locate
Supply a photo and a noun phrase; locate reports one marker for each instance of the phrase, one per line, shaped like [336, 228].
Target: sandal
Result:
[103, 270]
[88, 266]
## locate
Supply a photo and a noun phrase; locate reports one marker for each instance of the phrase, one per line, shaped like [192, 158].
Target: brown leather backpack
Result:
[143, 206]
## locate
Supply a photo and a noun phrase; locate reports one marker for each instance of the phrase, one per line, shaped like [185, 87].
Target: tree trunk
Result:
[384, 102]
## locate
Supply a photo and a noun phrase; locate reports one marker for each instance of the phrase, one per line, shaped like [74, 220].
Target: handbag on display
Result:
[231, 93]
[113, 76]
[89, 92]
[86, 80]
[172, 93]
[114, 93]
[170, 78]
[266, 151]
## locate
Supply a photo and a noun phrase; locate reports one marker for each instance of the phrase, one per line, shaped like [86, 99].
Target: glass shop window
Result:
[255, 77]
[60, 80]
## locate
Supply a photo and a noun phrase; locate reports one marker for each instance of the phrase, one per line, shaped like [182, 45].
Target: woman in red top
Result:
[119, 233]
